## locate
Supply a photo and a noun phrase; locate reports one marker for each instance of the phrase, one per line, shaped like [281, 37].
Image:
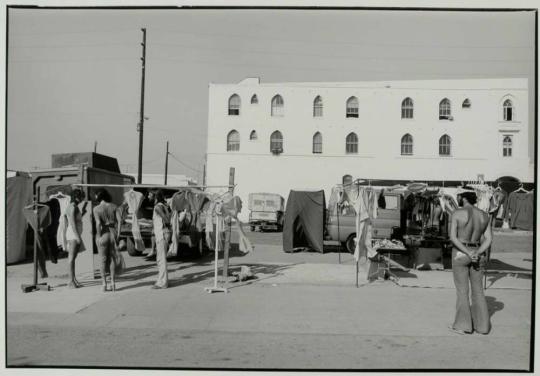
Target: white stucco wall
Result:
[476, 133]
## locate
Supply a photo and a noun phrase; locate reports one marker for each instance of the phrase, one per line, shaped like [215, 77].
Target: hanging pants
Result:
[162, 246]
[473, 315]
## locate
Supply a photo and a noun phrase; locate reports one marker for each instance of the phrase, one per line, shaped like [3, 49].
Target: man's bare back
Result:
[471, 224]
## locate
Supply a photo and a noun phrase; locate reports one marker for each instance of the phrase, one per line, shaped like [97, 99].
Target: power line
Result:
[125, 44]
[334, 42]
[101, 31]
[182, 163]
[333, 56]
[282, 67]
[94, 58]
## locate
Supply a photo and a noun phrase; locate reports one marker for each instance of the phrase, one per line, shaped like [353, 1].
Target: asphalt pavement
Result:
[301, 311]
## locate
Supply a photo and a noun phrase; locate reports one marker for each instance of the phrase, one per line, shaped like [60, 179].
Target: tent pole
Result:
[217, 253]
[356, 273]
[338, 234]
[35, 281]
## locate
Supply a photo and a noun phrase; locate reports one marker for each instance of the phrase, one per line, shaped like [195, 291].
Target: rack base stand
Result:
[216, 288]
[40, 286]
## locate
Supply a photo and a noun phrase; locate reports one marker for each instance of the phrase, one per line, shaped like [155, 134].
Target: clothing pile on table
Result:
[388, 244]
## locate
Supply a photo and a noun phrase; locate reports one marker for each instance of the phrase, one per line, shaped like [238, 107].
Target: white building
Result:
[283, 136]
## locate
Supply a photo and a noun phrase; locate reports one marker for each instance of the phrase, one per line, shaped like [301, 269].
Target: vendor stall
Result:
[303, 226]
[56, 184]
[18, 195]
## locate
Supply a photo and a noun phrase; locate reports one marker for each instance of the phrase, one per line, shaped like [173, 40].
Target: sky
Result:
[74, 76]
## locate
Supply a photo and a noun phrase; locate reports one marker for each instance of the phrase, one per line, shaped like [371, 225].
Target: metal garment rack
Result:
[216, 287]
[152, 186]
[43, 286]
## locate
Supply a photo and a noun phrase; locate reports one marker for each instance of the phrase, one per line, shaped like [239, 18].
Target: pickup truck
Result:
[387, 221]
[266, 211]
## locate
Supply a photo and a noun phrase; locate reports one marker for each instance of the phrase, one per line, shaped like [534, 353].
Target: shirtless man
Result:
[471, 234]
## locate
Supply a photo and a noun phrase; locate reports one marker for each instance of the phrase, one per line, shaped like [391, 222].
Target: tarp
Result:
[303, 226]
[18, 195]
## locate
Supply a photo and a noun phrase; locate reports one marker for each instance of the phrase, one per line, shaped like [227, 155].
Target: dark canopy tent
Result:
[303, 226]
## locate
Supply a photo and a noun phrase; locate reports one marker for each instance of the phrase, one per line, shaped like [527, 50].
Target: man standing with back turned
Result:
[471, 234]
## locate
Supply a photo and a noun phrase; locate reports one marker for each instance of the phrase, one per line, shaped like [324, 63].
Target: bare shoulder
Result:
[480, 213]
[460, 214]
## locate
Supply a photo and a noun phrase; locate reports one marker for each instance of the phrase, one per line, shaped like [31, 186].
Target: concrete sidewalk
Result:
[281, 326]
[303, 313]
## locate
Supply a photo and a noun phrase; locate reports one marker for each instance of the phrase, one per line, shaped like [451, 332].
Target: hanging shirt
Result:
[366, 209]
[64, 202]
[520, 210]
[134, 200]
[70, 231]
[224, 209]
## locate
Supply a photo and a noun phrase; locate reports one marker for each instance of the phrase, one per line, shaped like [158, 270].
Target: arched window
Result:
[507, 146]
[508, 110]
[253, 135]
[277, 105]
[407, 145]
[445, 111]
[318, 107]
[233, 141]
[346, 179]
[445, 145]
[276, 142]
[352, 108]
[407, 108]
[351, 144]
[254, 99]
[466, 103]
[234, 105]
[317, 143]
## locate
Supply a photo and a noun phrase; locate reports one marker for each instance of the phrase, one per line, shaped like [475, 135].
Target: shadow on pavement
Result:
[494, 305]
[271, 269]
[495, 264]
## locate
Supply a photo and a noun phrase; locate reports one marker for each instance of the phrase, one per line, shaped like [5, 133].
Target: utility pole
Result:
[140, 126]
[95, 146]
[204, 175]
[166, 162]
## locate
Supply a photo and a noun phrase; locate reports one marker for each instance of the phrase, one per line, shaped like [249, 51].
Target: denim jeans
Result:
[474, 315]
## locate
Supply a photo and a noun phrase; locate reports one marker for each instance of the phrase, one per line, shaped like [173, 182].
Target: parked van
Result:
[388, 220]
[266, 211]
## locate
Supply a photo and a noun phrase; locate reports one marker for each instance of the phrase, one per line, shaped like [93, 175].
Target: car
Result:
[342, 227]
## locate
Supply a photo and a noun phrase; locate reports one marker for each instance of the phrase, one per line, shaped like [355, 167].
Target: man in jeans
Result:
[471, 235]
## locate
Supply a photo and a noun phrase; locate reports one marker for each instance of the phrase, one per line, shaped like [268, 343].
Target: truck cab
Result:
[266, 211]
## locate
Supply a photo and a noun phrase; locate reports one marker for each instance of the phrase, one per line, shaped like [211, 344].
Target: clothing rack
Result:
[230, 187]
[43, 286]
[152, 186]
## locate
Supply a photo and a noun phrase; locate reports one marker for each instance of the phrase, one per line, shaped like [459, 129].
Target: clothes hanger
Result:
[34, 205]
[58, 195]
[521, 189]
